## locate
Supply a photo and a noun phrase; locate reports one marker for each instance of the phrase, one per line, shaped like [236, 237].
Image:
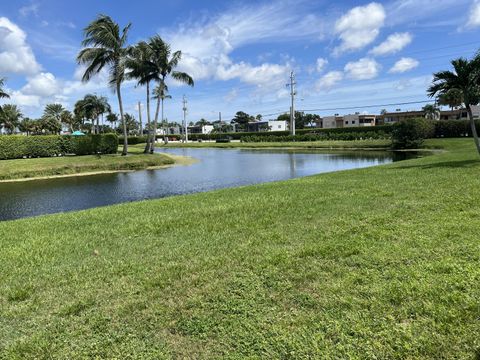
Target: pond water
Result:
[217, 168]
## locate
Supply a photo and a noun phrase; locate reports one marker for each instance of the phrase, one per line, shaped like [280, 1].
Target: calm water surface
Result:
[217, 168]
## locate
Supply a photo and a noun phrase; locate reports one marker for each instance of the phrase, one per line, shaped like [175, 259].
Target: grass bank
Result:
[28, 169]
[328, 144]
[381, 262]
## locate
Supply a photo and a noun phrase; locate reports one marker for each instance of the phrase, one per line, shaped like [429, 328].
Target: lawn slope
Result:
[381, 262]
[73, 165]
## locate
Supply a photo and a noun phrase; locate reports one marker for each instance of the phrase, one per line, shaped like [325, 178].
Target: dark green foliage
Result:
[17, 147]
[93, 144]
[319, 136]
[454, 128]
[133, 140]
[410, 133]
[384, 129]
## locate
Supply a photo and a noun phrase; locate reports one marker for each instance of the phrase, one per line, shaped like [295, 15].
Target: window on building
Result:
[346, 122]
[353, 122]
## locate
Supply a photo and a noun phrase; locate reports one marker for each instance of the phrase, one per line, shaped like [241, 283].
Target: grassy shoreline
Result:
[378, 262]
[328, 144]
[46, 168]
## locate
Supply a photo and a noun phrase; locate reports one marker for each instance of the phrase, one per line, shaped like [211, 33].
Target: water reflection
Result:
[218, 168]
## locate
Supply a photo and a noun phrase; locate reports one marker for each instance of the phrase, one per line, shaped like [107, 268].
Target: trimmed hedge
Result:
[447, 128]
[18, 146]
[319, 136]
[386, 129]
[454, 128]
[134, 140]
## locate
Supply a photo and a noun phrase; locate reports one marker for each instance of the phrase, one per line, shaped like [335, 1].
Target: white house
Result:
[200, 129]
[277, 125]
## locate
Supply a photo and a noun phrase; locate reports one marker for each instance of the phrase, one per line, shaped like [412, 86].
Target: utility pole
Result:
[220, 116]
[140, 117]
[292, 106]
[185, 117]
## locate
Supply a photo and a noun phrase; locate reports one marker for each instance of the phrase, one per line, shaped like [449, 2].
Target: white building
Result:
[277, 125]
[200, 129]
[270, 125]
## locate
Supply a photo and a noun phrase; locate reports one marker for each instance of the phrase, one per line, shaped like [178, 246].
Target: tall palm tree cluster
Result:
[462, 84]
[149, 62]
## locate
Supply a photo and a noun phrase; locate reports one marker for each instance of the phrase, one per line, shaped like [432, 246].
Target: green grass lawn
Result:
[68, 165]
[326, 144]
[381, 262]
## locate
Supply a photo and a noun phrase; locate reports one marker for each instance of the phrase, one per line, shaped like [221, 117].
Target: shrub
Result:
[17, 146]
[410, 133]
[319, 136]
[133, 140]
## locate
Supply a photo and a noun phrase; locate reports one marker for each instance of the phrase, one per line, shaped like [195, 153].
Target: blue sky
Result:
[346, 54]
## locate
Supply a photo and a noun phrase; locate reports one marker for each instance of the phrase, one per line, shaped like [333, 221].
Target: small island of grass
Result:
[40, 168]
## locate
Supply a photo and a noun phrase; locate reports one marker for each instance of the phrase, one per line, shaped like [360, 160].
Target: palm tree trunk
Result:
[97, 130]
[474, 129]
[125, 135]
[148, 144]
[155, 121]
[165, 139]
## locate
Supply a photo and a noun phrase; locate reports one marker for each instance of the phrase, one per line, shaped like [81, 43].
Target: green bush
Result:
[319, 136]
[454, 128]
[17, 146]
[410, 133]
[133, 140]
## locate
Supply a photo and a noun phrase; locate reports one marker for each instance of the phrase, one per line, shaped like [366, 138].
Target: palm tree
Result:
[26, 125]
[132, 125]
[166, 62]
[82, 112]
[67, 119]
[3, 94]
[431, 112]
[96, 106]
[52, 117]
[106, 46]
[160, 94]
[144, 70]
[10, 117]
[452, 98]
[112, 118]
[464, 77]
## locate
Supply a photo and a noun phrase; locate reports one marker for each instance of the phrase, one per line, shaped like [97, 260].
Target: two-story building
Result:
[358, 120]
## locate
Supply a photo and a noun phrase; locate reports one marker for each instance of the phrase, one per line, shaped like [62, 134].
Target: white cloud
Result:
[321, 64]
[363, 69]
[403, 65]
[16, 56]
[265, 74]
[393, 44]
[27, 10]
[20, 99]
[42, 84]
[359, 27]
[207, 45]
[329, 80]
[232, 95]
[413, 11]
[474, 16]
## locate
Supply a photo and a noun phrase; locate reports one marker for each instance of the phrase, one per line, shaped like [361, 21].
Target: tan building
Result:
[355, 120]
